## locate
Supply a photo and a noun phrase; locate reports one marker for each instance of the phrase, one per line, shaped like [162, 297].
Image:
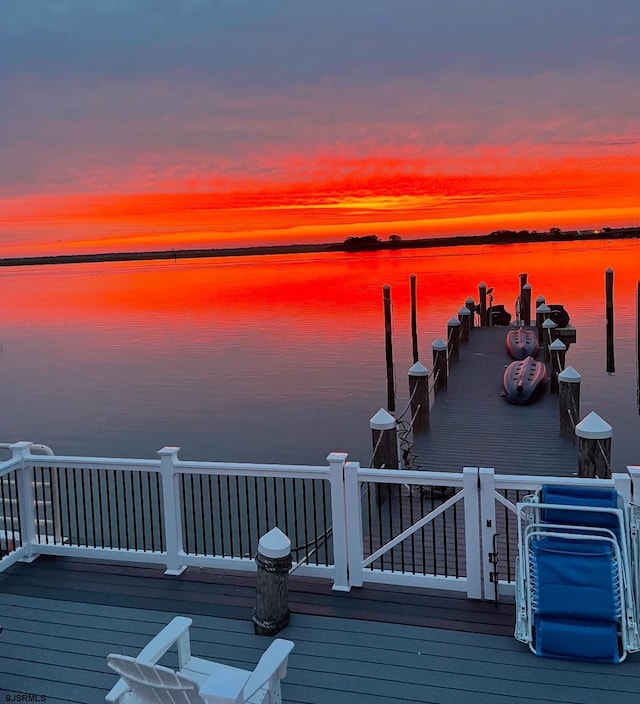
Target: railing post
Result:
[473, 545]
[419, 394]
[172, 509]
[569, 402]
[488, 532]
[26, 501]
[634, 474]
[337, 461]
[353, 503]
[622, 483]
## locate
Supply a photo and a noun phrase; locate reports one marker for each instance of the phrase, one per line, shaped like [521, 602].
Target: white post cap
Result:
[464, 311]
[453, 321]
[383, 420]
[548, 323]
[570, 376]
[543, 308]
[557, 346]
[439, 344]
[594, 428]
[469, 299]
[527, 286]
[418, 369]
[482, 285]
[540, 299]
[274, 544]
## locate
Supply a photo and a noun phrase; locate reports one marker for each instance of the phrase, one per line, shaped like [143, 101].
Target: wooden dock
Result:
[472, 425]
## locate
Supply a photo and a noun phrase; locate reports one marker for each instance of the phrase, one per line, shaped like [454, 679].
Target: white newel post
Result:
[172, 509]
[488, 523]
[634, 475]
[472, 533]
[353, 503]
[28, 535]
[622, 483]
[337, 461]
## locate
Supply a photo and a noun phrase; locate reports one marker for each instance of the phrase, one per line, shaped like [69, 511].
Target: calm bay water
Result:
[276, 359]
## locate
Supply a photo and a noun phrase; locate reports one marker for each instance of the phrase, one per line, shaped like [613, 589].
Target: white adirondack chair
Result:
[197, 681]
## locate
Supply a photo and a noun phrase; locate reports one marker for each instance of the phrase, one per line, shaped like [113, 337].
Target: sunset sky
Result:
[157, 124]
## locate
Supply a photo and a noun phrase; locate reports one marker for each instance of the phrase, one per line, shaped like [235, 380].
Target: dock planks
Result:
[472, 425]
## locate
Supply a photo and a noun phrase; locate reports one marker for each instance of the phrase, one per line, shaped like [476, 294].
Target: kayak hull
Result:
[523, 380]
[522, 343]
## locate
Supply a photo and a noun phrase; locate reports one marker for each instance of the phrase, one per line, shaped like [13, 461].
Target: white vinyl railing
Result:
[347, 523]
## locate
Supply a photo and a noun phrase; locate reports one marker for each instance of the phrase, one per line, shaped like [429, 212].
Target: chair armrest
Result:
[117, 691]
[273, 660]
[170, 634]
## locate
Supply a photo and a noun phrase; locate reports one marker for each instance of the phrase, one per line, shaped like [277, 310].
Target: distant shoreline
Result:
[351, 245]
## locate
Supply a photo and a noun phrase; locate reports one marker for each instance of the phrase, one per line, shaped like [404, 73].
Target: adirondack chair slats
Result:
[197, 681]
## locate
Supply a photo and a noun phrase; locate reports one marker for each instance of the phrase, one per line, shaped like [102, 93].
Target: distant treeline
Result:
[350, 244]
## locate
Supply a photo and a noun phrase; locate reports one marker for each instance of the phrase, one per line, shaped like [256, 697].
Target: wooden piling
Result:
[611, 365]
[526, 304]
[453, 339]
[464, 316]
[470, 304]
[388, 348]
[384, 435]
[557, 353]
[419, 395]
[440, 372]
[542, 313]
[548, 336]
[414, 317]
[482, 295]
[271, 613]
[523, 280]
[569, 401]
[594, 447]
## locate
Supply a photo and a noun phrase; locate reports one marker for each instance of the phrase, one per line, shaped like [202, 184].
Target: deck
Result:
[61, 617]
[473, 426]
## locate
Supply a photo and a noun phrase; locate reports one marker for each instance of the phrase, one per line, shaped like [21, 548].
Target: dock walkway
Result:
[472, 425]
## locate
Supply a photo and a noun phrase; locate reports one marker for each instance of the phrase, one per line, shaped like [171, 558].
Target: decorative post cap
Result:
[543, 308]
[439, 344]
[418, 369]
[540, 299]
[274, 544]
[557, 346]
[527, 286]
[383, 420]
[482, 285]
[548, 323]
[594, 428]
[464, 311]
[452, 322]
[570, 376]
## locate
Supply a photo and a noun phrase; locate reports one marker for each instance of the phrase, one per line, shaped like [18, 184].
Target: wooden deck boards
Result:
[57, 636]
[473, 426]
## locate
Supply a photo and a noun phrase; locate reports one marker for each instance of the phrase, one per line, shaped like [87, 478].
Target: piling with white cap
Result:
[453, 339]
[464, 316]
[594, 447]
[440, 370]
[419, 395]
[558, 354]
[271, 613]
[569, 401]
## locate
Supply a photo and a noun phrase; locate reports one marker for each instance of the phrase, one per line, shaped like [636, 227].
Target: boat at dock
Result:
[522, 343]
[524, 380]
[559, 315]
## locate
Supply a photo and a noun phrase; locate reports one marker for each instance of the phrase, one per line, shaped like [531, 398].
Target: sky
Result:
[160, 124]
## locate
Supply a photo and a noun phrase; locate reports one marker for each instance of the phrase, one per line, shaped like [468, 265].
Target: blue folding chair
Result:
[574, 588]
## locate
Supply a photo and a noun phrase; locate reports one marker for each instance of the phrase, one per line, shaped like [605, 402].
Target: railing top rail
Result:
[93, 462]
[404, 476]
[9, 465]
[515, 481]
[253, 469]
